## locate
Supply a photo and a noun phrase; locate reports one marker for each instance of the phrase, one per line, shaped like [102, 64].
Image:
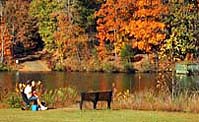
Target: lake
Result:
[94, 81]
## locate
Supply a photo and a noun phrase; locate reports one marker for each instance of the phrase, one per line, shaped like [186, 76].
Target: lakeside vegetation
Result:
[4, 67]
[158, 99]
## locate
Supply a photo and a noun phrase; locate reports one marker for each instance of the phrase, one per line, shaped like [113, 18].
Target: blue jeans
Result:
[33, 98]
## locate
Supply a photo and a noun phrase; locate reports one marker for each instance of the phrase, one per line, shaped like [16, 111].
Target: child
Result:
[30, 91]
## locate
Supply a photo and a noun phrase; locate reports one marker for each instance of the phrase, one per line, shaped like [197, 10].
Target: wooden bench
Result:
[95, 97]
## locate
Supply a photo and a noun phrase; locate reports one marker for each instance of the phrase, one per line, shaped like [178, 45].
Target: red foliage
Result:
[5, 41]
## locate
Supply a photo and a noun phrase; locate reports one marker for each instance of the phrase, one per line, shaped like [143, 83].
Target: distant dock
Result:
[187, 68]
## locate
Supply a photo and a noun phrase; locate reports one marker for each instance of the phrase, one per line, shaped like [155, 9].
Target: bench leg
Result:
[94, 104]
[80, 105]
[109, 104]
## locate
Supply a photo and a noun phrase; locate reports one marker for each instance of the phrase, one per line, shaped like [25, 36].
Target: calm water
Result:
[91, 81]
[81, 81]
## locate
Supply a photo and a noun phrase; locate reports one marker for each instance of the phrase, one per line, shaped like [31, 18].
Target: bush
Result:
[59, 67]
[146, 67]
[108, 67]
[14, 101]
[4, 67]
[127, 53]
[150, 100]
[60, 97]
[128, 67]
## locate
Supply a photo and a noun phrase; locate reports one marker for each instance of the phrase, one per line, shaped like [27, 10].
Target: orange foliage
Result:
[134, 22]
[146, 27]
[6, 38]
[112, 17]
[23, 26]
[68, 36]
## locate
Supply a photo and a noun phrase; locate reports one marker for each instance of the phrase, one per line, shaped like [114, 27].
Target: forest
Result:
[100, 35]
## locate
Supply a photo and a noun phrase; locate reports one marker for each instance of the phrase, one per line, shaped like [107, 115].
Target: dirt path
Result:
[38, 65]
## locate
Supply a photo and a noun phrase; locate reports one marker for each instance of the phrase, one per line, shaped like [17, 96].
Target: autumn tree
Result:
[112, 18]
[5, 43]
[5, 37]
[21, 26]
[126, 22]
[146, 27]
[182, 31]
[70, 39]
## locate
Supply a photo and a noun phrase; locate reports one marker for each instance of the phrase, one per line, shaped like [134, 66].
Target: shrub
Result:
[127, 53]
[60, 97]
[59, 67]
[14, 101]
[4, 67]
[146, 67]
[108, 67]
[128, 67]
[149, 100]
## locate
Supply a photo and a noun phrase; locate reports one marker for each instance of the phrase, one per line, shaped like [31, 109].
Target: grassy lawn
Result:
[75, 115]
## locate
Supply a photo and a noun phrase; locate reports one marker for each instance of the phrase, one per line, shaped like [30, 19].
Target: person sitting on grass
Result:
[32, 95]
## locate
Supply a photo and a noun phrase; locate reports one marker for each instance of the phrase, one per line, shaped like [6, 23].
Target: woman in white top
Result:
[31, 95]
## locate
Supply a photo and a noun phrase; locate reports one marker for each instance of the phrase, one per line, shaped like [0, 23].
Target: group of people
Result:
[29, 93]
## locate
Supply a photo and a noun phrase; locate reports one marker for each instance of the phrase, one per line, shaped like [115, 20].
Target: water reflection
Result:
[97, 81]
[7, 80]
[186, 83]
[82, 81]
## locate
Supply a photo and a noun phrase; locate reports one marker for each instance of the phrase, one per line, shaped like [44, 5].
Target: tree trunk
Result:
[2, 34]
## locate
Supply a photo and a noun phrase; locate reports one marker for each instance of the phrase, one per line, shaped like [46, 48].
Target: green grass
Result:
[75, 115]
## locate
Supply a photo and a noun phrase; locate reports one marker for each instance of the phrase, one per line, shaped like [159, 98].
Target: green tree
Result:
[42, 10]
[86, 10]
[127, 53]
[182, 31]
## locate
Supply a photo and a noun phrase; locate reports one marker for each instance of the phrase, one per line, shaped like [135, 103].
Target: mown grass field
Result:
[75, 115]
